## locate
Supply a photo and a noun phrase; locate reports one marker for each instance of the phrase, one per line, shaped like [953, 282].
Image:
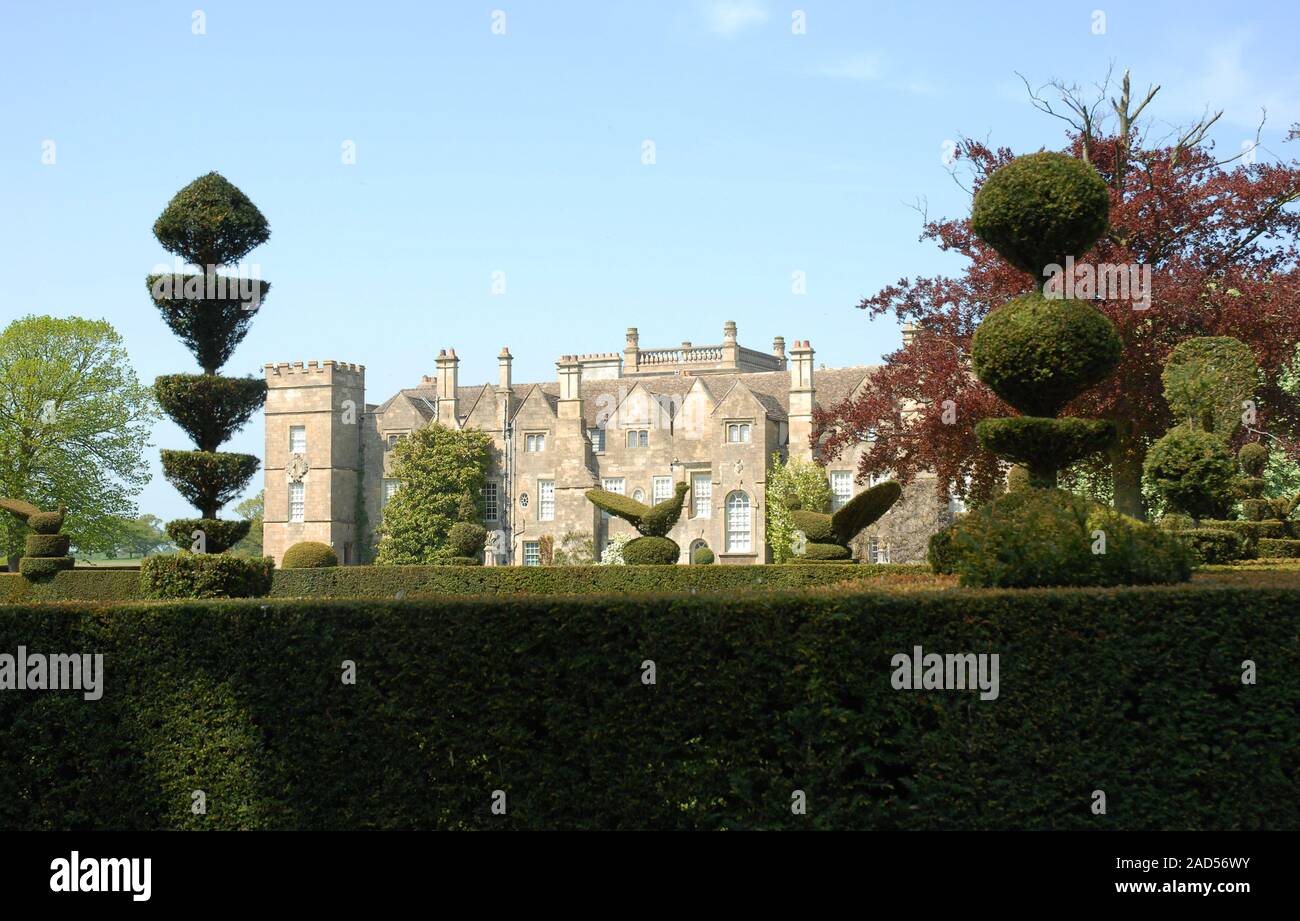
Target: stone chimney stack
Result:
[778, 349]
[448, 374]
[570, 369]
[803, 397]
[631, 351]
[730, 350]
[504, 360]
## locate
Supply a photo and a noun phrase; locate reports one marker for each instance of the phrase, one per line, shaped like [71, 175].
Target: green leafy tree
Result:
[438, 468]
[141, 536]
[211, 224]
[1207, 379]
[792, 486]
[74, 421]
[251, 510]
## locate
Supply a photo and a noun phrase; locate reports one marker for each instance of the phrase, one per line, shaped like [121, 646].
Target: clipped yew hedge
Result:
[424, 581]
[1136, 692]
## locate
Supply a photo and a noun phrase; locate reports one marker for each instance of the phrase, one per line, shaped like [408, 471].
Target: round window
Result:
[523, 500]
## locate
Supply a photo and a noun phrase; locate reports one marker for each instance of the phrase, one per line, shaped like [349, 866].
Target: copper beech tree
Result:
[1220, 238]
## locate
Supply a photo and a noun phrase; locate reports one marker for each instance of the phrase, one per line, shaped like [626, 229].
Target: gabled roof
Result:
[771, 389]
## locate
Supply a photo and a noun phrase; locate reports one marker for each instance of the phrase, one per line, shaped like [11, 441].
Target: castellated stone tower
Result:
[313, 455]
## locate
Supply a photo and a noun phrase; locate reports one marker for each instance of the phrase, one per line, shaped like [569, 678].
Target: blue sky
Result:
[522, 153]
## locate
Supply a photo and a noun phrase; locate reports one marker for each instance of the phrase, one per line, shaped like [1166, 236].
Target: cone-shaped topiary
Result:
[211, 224]
[649, 520]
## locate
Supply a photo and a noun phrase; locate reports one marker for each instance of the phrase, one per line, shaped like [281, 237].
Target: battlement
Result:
[287, 373]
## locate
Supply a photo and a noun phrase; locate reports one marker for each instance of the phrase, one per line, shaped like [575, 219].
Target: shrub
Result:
[651, 551]
[45, 522]
[462, 561]
[46, 545]
[1038, 537]
[1253, 458]
[1040, 208]
[818, 553]
[466, 540]
[702, 556]
[208, 407]
[864, 509]
[1194, 471]
[235, 693]
[649, 521]
[208, 479]
[205, 575]
[309, 554]
[41, 567]
[218, 535]
[1205, 379]
[816, 526]
[1214, 546]
[1176, 521]
[1044, 445]
[1017, 478]
[1274, 548]
[942, 550]
[1038, 353]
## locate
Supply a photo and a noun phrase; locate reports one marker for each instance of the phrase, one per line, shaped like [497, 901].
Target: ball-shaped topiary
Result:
[1038, 537]
[467, 539]
[309, 554]
[1040, 208]
[702, 556]
[651, 551]
[1253, 458]
[1038, 353]
[1194, 471]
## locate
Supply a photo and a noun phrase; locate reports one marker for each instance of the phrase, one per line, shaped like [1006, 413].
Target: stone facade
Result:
[637, 422]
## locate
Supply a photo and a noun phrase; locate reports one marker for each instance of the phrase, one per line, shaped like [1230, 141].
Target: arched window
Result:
[738, 523]
[697, 544]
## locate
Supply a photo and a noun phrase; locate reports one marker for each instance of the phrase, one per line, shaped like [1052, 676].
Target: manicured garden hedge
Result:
[417, 581]
[1135, 692]
[73, 585]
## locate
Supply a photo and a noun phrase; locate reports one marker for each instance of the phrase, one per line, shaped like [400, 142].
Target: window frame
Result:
[543, 486]
[300, 488]
[707, 478]
[292, 443]
[732, 533]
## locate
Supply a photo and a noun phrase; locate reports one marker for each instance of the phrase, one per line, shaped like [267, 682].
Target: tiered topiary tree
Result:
[1038, 352]
[210, 224]
[827, 536]
[652, 522]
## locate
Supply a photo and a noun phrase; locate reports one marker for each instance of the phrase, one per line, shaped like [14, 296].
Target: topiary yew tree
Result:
[210, 224]
[827, 536]
[1039, 352]
[652, 522]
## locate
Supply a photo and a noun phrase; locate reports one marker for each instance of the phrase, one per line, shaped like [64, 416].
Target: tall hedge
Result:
[1136, 692]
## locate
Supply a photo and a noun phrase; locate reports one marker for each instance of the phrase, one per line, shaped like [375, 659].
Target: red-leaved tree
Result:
[1220, 236]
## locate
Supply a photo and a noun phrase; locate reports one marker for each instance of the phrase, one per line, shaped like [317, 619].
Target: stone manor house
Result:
[634, 423]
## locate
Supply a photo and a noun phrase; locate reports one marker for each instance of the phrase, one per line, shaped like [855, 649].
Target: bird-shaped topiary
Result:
[45, 550]
[652, 522]
[827, 536]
